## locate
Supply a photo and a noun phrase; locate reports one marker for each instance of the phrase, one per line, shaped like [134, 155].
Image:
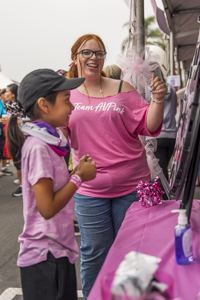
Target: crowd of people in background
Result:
[8, 95]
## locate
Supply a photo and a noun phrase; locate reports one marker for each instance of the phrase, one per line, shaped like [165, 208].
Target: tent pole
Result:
[168, 56]
[139, 5]
[179, 68]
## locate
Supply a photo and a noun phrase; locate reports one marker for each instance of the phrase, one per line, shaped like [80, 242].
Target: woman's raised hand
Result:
[158, 88]
[86, 168]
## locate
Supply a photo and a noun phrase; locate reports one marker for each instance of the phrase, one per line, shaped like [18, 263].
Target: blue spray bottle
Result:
[183, 239]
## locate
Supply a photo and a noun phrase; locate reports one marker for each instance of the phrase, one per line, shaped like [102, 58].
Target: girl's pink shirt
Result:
[40, 236]
[107, 129]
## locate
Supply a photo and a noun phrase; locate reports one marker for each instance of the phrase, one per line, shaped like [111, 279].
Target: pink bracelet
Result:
[75, 179]
[157, 101]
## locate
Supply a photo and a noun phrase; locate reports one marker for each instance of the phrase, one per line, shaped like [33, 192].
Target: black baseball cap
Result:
[42, 82]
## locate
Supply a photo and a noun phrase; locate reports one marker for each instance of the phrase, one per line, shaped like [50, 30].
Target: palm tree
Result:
[153, 36]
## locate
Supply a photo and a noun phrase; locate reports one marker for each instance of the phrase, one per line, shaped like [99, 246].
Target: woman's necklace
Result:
[99, 92]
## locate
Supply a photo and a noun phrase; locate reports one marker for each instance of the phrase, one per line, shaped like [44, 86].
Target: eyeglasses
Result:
[89, 53]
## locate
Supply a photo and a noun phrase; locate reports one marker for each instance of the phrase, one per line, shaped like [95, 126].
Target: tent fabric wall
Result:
[182, 20]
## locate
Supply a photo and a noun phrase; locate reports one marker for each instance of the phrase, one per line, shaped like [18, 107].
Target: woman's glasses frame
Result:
[97, 53]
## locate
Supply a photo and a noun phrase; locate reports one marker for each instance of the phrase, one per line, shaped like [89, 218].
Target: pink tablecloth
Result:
[151, 231]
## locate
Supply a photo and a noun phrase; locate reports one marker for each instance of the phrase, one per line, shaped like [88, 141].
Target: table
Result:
[151, 231]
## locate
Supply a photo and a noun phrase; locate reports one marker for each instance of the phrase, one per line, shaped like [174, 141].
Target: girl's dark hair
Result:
[15, 136]
[13, 88]
[2, 91]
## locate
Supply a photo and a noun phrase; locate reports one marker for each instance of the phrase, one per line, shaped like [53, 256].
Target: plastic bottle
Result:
[183, 239]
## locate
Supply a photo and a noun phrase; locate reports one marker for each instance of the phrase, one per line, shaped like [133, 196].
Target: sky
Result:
[40, 33]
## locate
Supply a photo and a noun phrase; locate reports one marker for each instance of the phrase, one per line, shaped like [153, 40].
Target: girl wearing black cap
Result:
[48, 248]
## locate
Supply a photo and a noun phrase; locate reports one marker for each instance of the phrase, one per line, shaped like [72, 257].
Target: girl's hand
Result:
[158, 88]
[50, 202]
[88, 159]
[86, 168]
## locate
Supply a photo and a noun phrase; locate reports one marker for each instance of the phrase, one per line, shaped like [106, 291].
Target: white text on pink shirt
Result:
[101, 106]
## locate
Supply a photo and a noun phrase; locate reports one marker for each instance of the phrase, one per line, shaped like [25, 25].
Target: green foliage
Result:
[153, 36]
[149, 21]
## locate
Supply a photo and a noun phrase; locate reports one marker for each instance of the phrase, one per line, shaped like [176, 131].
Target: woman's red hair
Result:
[73, 71]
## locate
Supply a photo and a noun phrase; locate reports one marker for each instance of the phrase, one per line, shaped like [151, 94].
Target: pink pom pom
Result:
[149, 193]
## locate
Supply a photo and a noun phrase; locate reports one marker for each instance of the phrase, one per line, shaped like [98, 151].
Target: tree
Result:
[153, 36]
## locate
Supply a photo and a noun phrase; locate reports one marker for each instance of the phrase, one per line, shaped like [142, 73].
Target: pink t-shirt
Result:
[107, 129]
[39, 235]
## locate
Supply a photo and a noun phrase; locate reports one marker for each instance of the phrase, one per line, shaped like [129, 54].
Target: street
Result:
[11, 224]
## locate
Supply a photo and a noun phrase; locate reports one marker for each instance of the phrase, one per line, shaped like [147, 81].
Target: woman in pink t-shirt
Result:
[105, 123]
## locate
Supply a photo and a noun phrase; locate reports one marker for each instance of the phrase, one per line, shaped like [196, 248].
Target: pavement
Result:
[11, 224]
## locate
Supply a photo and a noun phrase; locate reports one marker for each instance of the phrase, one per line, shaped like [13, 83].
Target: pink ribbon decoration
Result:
[71, 64]
[136, 70]
[149, 193]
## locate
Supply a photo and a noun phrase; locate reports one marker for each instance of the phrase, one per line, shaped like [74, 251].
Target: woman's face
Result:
[90, 67]
[9, 96]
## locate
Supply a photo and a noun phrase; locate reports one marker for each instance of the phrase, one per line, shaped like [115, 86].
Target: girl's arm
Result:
[50, 203]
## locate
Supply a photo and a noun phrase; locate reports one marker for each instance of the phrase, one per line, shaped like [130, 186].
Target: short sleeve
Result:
[39, 164]
[136, 115]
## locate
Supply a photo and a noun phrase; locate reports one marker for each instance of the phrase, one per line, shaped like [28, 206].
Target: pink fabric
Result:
[58, 151]
[160, 18]
[151, 231]
[107, 129]
[39, 235]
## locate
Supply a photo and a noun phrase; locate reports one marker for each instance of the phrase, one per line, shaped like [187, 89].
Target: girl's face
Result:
[59, 112]
[9, 96]
[90, 67]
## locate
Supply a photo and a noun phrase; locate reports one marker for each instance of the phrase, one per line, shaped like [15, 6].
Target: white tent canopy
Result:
[4, 81]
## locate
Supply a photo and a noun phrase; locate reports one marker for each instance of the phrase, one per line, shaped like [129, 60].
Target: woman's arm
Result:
[50, 203]
[154, 116]
[155, 112]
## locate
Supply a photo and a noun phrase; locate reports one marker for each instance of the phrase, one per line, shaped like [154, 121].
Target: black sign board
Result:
[186, 155]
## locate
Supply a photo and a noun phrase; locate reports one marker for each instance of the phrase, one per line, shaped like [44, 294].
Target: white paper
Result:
[174, 80]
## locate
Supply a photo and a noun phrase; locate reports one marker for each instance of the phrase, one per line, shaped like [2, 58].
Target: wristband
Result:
[75, 179]
[157, 101]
